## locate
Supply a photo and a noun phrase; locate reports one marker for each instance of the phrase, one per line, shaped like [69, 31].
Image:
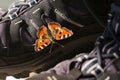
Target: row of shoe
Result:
[17, 8]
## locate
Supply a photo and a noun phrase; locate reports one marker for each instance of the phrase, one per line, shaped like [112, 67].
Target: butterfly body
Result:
[48, 35]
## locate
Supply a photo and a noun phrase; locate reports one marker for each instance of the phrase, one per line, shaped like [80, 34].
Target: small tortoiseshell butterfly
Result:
[46, 36]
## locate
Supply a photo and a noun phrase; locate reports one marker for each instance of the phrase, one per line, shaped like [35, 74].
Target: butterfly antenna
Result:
[50, 51]
[59, 44]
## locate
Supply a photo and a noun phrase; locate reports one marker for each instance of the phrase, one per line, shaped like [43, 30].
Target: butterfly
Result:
[48, 34]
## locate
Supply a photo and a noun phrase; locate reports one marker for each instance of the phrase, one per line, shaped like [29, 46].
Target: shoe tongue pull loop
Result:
[46, 19]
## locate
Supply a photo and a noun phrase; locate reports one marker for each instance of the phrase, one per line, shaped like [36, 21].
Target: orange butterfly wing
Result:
[41, 44]
[43, 39]
[58, 32]
[54, 28]
[63, 33]
[42, 32]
